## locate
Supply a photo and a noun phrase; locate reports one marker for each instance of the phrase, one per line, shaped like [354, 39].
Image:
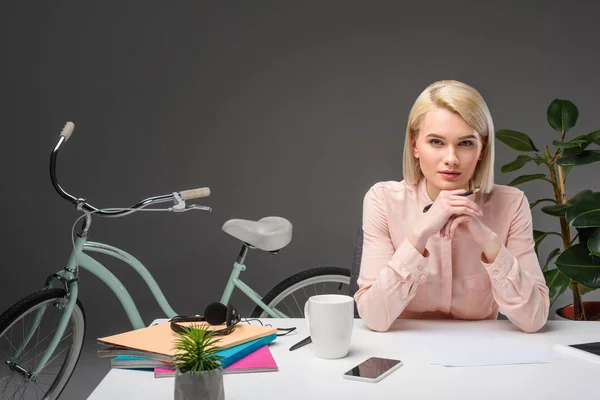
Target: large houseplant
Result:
[577, 264]
[198, 370]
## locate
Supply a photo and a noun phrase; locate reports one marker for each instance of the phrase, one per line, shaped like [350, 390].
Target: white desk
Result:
[302, 375]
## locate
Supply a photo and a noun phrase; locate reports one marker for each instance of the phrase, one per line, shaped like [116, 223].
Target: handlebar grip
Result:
[195, 193]
[67, 130]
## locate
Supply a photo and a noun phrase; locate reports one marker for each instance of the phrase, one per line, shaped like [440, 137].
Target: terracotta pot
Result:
[592, 309]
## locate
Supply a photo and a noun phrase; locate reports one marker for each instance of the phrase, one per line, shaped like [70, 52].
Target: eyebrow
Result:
[460, 138]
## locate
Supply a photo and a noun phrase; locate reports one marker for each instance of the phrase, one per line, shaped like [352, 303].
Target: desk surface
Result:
[302, 375]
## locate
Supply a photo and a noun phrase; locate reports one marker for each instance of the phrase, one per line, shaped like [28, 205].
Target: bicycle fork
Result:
[67, 303]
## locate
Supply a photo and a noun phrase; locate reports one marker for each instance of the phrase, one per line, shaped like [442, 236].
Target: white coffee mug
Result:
[330, 319]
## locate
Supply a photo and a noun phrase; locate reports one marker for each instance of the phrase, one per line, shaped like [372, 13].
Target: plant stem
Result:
[561, 198]
[573, 240]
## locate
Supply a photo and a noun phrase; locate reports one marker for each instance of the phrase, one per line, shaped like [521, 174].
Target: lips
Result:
[450, 172]
[450, 175]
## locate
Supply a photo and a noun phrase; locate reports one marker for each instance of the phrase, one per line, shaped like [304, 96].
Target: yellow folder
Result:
[161, 338]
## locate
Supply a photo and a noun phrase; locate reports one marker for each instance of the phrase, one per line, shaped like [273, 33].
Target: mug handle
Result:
[306, 313]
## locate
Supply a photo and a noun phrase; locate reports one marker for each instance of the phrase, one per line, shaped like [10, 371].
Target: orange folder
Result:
[160, 338]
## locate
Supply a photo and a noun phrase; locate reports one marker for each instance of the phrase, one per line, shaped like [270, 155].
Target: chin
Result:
[443, 184]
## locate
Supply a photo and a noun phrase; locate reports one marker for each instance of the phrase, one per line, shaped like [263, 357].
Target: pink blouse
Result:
[396, 281]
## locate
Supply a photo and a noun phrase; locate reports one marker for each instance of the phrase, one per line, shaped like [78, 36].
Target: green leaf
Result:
[557, 282]
[593, 242]
[538, 160]
[538, 236]
[571, 151]
[577, 263]
[584, 195]
[557, 211]
[552, 254]
[516, 140]
[535, 203]
[584, 234]
[593, 137]
[562, 115]
[585, 213]
[196, 350]
[581, 158]
[584, 289]
[518, 163]
[567, 145]
[526, 178]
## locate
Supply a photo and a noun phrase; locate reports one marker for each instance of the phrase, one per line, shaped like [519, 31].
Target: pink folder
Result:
[260, 360]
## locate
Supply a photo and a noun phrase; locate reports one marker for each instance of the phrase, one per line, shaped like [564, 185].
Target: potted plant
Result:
[577, 264]
[198, 371]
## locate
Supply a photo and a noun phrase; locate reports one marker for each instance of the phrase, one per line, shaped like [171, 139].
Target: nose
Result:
[450, 157]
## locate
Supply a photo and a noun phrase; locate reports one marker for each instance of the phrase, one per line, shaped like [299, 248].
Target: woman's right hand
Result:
[447, 204]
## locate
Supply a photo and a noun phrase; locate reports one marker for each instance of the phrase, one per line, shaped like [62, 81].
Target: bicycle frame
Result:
[79, 257]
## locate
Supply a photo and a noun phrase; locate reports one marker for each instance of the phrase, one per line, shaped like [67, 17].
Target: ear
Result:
[414, 149]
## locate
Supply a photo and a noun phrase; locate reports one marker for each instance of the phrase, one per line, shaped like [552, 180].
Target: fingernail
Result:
[480, 213]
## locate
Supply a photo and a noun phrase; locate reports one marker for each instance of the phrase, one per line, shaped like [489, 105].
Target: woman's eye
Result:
[467, 143]
[435, 141]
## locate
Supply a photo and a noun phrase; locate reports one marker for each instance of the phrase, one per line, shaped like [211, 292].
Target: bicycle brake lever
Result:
[198, 207]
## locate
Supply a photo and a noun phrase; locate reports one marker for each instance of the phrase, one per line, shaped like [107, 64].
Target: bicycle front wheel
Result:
[17, 324]
[290, 295]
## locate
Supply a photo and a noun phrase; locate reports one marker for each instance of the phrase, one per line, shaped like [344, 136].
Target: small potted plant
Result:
[198, 371]
[577, 264]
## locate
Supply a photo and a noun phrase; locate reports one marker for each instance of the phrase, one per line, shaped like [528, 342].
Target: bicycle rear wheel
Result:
[290, 295]
[15, 323]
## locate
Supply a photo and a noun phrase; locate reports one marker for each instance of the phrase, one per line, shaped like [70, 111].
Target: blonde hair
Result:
[465, 101]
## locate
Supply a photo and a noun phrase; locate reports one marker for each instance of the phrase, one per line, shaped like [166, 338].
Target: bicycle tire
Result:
[299, 281]
[18, 312]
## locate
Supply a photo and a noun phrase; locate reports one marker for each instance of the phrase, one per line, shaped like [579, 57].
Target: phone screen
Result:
[372, 367]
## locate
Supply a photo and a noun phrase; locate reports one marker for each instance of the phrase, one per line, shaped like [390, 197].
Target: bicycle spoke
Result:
[57, 355]
[304, 291]
[290, 310]
[23, 384]
[297, 305]
[59, 342]
[44, 338]
[10, 342]
[7, 382]
[41, 390]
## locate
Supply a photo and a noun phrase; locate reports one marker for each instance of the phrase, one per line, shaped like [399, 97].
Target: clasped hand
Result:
[451, 213]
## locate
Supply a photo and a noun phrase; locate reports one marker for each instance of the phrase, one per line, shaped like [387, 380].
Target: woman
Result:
[467, 257]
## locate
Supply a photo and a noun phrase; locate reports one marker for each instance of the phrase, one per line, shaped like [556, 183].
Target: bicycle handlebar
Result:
[82, 204]
[67, 130]
[195, 193]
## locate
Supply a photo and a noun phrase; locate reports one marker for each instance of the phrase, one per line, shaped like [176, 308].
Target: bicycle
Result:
[30, 365]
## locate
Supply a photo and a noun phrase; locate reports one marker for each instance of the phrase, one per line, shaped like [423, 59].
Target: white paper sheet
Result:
[477, 351]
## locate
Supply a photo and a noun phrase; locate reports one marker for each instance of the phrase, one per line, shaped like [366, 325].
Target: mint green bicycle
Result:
[41, 336]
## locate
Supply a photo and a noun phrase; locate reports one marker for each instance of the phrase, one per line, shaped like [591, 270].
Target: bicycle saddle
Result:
[268, 234]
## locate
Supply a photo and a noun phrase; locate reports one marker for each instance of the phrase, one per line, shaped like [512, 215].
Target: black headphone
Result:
[215, 314]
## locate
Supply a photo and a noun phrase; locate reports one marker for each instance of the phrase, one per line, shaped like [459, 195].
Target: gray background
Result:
[289, 109]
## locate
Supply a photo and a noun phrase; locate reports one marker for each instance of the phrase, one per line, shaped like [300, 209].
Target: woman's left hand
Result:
[466, 224]
[477, 230]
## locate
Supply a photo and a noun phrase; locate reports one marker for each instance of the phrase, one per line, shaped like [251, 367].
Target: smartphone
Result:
[373, 369]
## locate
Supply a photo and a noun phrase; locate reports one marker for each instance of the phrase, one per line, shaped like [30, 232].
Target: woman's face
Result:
[448, 150]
